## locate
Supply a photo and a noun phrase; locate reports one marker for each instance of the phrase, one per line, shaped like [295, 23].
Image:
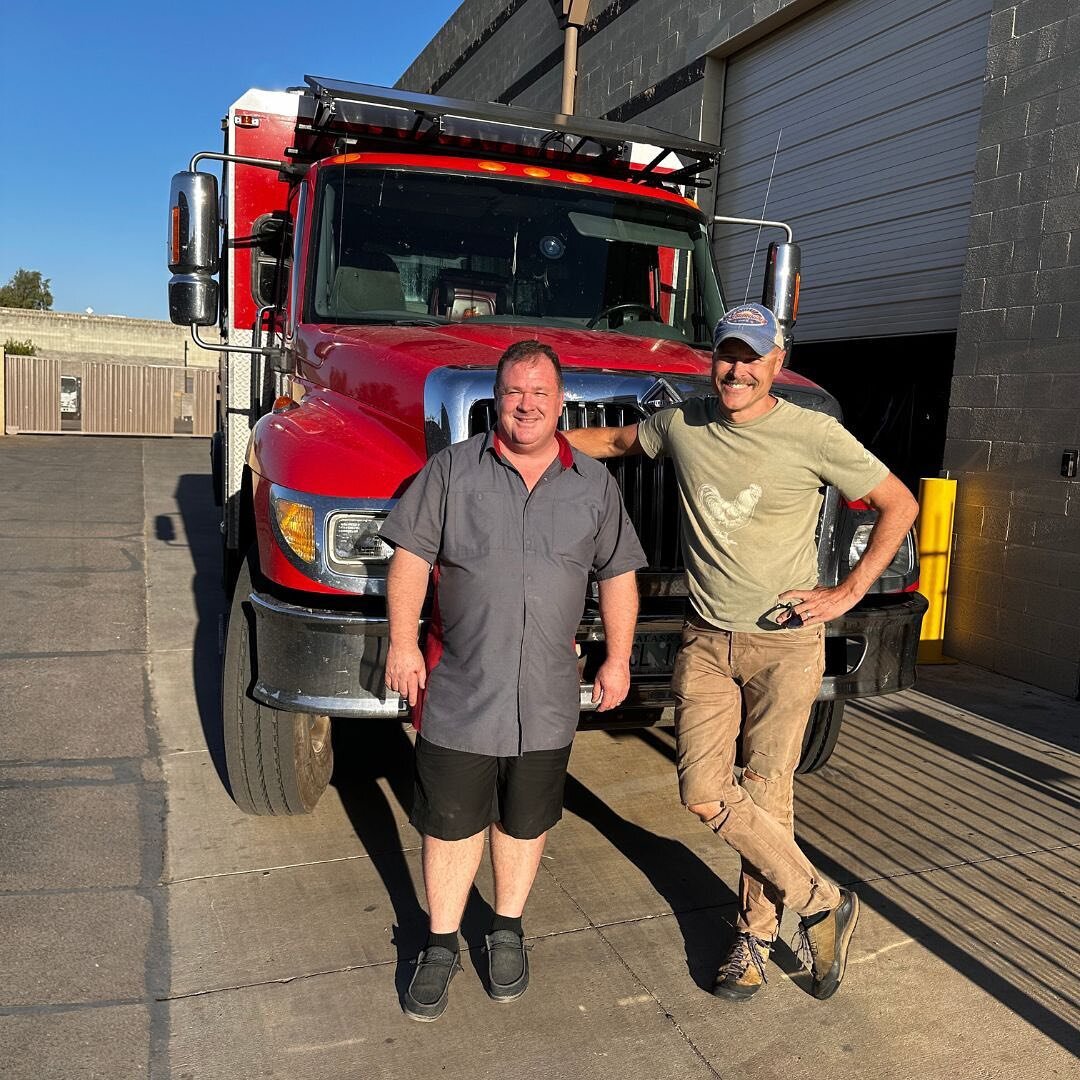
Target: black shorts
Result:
[458, 794]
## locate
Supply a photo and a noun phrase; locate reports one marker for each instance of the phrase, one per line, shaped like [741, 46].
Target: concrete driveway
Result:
[148, 928]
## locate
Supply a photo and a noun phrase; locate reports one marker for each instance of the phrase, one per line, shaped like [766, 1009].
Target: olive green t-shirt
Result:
[751, 495]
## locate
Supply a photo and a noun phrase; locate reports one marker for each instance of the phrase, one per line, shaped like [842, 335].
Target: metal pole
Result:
[572, 17]
[569, 69]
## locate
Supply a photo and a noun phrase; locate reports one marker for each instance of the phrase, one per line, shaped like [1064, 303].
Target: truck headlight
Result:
[296, 526]
[859, 541]
[355, 540]
[899, 572]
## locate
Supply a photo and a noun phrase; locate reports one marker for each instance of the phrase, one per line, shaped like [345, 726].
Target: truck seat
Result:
[373, 285]
[462, 294]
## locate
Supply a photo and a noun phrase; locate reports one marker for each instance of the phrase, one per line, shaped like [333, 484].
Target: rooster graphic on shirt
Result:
[729, 515]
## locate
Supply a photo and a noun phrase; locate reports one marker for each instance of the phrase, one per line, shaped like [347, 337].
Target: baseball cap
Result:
[753, 323]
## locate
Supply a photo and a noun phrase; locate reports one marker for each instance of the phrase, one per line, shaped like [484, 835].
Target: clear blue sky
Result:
[101, 103]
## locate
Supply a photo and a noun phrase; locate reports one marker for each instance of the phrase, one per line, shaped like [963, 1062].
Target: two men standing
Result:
[518, 515]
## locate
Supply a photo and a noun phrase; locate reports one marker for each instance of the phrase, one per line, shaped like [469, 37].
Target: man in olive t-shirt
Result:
[750, 468]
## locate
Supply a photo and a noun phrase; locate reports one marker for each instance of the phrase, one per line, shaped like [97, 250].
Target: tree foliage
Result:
[20, 348]
[27, 289]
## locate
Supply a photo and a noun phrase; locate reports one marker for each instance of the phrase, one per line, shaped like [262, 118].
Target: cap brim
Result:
[748, 338]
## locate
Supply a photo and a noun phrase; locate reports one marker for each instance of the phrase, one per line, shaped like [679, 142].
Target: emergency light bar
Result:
[360, 113]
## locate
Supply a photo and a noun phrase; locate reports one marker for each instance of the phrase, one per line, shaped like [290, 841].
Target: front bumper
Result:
[872, 649]
[318, 661]
[321, 661]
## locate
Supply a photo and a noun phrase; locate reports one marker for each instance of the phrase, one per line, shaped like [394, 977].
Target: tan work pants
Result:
[764, 685]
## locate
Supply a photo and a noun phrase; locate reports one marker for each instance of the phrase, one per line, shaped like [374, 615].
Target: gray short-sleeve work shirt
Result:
[512, 569]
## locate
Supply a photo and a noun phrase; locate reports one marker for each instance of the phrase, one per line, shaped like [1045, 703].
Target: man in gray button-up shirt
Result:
[513, 523]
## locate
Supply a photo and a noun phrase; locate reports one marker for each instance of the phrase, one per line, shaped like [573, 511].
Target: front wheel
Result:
[822, 731]
[278, 762]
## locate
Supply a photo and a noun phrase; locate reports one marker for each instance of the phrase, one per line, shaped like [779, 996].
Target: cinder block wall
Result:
[1014, 594]
[630, 53]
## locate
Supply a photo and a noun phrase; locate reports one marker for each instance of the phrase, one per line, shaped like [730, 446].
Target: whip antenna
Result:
[757, 240]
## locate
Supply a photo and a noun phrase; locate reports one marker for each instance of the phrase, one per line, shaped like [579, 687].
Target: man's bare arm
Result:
[605, 442]
[406, 587]
[897, 510]
[618, 612]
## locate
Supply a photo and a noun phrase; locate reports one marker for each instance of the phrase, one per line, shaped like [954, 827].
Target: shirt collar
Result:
[566, 457]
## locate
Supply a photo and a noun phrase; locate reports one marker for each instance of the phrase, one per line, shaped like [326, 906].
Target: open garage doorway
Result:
[894, 392]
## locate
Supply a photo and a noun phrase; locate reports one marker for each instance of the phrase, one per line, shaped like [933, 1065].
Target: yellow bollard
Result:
[937, 505]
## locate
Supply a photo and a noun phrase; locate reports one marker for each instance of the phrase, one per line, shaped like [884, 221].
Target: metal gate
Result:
[96, 398]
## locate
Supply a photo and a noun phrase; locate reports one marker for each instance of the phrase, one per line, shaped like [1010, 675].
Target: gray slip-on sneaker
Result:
[508, 965]
[429, 989]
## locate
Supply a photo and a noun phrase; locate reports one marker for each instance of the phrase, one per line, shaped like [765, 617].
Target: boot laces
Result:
[805, 952]
[745, 951]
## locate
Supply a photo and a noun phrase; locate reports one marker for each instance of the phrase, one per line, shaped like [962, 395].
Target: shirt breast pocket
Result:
[574, 529]
[477, 523]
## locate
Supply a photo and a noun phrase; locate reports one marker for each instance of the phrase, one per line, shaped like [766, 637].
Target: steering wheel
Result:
[652, 314]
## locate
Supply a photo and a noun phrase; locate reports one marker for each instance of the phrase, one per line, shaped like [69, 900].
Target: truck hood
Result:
[385, 368]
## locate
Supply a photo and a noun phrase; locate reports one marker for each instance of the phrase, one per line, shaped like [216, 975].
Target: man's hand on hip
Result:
[611, 684]
[817, 605]
[406, 673]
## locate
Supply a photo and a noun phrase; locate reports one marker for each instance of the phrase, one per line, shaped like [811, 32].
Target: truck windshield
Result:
[399, 246]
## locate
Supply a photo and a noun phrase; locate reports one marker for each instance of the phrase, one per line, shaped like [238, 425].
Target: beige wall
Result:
[66, 335]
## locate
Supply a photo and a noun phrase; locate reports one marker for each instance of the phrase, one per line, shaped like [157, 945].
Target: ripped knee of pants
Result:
[751, 778]
[756, 777]
[713, 814]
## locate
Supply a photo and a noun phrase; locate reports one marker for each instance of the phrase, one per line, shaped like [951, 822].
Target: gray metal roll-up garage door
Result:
[876, 104]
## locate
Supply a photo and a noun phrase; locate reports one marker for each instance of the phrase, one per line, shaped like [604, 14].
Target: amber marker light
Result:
[491, 166]
[578, 178]
[540, 174]
[174, 237]
[284, 403]
[297, 525]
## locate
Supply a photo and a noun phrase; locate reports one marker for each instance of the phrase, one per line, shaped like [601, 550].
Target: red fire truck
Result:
[377, 251]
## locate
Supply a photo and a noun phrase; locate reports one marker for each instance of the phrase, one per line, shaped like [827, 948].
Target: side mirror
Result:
[193, 249]
[193, 299]
[193, 224]
[782, 279]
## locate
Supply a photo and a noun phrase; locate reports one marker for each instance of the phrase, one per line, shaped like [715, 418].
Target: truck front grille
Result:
[648, 485]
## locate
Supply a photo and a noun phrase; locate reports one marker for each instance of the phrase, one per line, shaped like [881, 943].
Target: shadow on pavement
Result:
[365, 753]
[195, 500]
[1028, 710]
[688, 885]
[987, 821]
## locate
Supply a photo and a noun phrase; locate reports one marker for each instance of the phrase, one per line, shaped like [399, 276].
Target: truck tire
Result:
[822, 731]
[278, 762]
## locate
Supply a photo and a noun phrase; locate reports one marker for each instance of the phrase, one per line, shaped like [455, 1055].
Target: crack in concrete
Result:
[289, 866]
